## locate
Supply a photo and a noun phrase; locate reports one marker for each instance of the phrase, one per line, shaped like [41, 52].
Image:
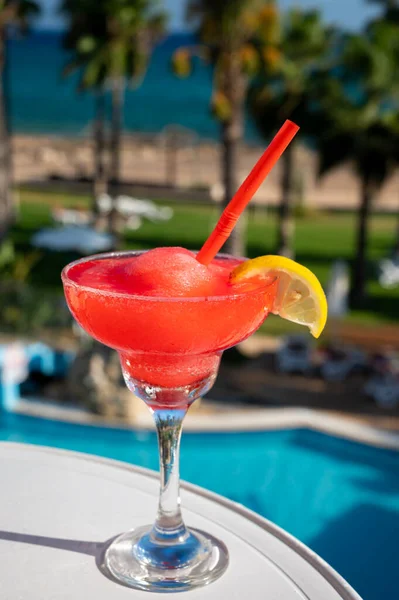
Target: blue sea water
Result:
[42, 101]
[339, 497]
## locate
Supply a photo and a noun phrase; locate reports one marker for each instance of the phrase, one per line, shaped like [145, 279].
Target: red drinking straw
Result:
[246, 191]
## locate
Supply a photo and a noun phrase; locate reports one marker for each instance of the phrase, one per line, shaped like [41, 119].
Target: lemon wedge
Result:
[299, 298]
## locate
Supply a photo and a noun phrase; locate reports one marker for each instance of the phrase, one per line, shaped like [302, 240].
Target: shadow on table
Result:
[89, 548]
[95, 549]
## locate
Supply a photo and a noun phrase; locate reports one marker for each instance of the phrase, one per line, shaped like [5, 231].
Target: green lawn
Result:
[319, 240]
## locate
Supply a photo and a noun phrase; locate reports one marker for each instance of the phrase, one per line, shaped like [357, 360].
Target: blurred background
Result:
[130, 124]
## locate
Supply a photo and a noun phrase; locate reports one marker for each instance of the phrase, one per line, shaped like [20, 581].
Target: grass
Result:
[320, 239]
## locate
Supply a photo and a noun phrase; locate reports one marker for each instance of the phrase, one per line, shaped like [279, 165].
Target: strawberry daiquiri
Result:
[170, 313]
[168, 316]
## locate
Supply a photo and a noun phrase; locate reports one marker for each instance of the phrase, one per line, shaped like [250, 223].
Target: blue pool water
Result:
[339, 497]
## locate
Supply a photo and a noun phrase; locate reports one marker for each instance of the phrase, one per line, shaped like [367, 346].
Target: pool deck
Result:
[213, 418]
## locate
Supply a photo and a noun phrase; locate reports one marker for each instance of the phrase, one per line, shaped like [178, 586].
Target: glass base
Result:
[139, 560]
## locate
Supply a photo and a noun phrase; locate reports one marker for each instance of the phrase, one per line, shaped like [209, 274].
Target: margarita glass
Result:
[170, 349]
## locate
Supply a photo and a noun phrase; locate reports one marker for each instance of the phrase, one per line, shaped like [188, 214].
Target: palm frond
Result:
[111, 38]
[19, 14]
[334, 149]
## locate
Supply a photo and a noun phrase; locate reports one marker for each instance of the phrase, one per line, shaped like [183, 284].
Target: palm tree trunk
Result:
[171, 148]
[231, 136]
[368, 191]
[395, 250]
[6, 208]
[285, 223]
[115, 146]
[99, 182]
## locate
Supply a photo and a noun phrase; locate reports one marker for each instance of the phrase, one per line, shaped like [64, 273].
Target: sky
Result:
[347, 13]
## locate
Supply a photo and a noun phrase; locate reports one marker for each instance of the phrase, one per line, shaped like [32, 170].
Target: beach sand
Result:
[145, 160]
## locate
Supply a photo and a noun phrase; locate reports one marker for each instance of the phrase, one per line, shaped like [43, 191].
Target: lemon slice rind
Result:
[299, 297]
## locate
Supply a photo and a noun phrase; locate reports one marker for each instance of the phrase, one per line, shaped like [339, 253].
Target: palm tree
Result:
[227, 32]
[16, 14]
[85, 29]
[371, 143]
[111, 41]
[132, 30]
[361, 125]
[386, 4]
[390, 11]
[286, 90]
[390, 16]
[99, 180]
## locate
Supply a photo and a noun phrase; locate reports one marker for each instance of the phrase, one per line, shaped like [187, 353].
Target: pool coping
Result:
[235, 420]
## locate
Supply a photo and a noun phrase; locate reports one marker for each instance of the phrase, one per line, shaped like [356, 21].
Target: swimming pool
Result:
[339, 497]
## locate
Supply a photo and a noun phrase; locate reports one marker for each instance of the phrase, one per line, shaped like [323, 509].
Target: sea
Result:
[42, 101]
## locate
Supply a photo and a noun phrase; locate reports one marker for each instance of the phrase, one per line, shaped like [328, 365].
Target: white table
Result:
[58, 508]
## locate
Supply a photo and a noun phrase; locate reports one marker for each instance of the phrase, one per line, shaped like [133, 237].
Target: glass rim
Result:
[124, 253]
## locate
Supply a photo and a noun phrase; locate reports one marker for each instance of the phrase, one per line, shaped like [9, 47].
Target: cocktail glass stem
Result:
[169, 522]
[167, 556]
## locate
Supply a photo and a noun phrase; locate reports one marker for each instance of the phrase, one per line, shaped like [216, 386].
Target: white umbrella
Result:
[338, 289]
[128, 206]
[389, 272]
[81, 239]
